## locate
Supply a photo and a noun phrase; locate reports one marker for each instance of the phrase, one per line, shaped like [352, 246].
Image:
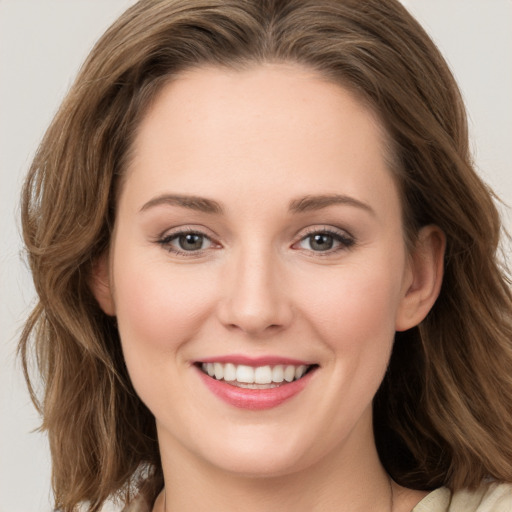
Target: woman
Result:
[267, 270]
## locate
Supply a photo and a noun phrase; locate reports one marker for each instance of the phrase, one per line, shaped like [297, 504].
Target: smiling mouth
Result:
[255, 377]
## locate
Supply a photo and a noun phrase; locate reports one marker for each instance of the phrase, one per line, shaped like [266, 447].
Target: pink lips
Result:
[255, 399]
[255, 361]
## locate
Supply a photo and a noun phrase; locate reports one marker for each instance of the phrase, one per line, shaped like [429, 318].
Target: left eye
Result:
[324, 241]
[187, 242]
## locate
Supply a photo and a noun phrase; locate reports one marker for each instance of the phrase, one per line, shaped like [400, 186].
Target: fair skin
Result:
[259, 224]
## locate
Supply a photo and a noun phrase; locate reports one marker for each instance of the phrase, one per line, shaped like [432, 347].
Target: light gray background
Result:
[43, 42]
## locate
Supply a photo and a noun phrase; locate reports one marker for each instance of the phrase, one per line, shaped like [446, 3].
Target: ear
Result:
[100, 284]
[424, 278]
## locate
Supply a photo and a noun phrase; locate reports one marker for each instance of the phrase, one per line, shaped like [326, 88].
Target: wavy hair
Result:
[443, 414]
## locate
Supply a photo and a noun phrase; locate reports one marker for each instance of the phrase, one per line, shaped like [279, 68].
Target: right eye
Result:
[186, 242]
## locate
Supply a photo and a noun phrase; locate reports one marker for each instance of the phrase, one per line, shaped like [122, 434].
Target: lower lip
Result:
[255, 399]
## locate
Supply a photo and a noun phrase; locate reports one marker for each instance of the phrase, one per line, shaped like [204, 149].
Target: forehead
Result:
[278, 125]
[261, 95]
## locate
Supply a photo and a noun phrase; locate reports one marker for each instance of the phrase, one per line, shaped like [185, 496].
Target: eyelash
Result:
[344, 240]
[166, 242]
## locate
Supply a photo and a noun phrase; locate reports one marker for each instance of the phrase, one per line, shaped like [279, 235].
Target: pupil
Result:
[322, 242]
[191, 242]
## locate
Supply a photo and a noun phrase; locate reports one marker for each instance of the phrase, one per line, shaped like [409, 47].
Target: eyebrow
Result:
[200, 204]
[304, 204]
[312, 203]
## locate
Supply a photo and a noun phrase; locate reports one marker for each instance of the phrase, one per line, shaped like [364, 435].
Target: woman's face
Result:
[258, 238]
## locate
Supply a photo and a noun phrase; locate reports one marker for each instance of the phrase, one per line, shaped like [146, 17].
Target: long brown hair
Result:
[443, 414]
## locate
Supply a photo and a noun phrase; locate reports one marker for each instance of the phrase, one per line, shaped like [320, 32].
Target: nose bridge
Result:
[255, 301]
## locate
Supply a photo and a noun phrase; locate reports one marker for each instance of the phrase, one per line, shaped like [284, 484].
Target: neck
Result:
[345, 480]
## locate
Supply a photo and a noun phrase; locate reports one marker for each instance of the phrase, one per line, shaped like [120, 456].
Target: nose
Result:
[255, 299]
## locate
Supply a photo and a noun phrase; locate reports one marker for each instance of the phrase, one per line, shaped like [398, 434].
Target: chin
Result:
[258, 466]
[264, 456]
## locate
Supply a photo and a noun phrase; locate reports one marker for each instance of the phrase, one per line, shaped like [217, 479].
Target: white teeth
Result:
[278, 373]
[267, 375]
[229, 372]
[300, 371]
[219, 371]
[289, 373]
[245, 374]
[256, 386]
[263, 375]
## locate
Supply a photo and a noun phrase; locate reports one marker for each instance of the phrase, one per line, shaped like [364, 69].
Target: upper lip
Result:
[270, 360]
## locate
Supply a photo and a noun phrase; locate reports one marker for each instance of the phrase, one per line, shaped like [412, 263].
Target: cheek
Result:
[158, 309]
[354, 308]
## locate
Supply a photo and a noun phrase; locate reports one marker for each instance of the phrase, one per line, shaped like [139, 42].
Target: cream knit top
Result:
[492, 498]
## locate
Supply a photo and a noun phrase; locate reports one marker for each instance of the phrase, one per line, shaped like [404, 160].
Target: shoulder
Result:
[493, 497]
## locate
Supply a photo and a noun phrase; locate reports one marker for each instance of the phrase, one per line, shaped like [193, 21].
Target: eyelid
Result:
[186, 229]
[324, 228]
